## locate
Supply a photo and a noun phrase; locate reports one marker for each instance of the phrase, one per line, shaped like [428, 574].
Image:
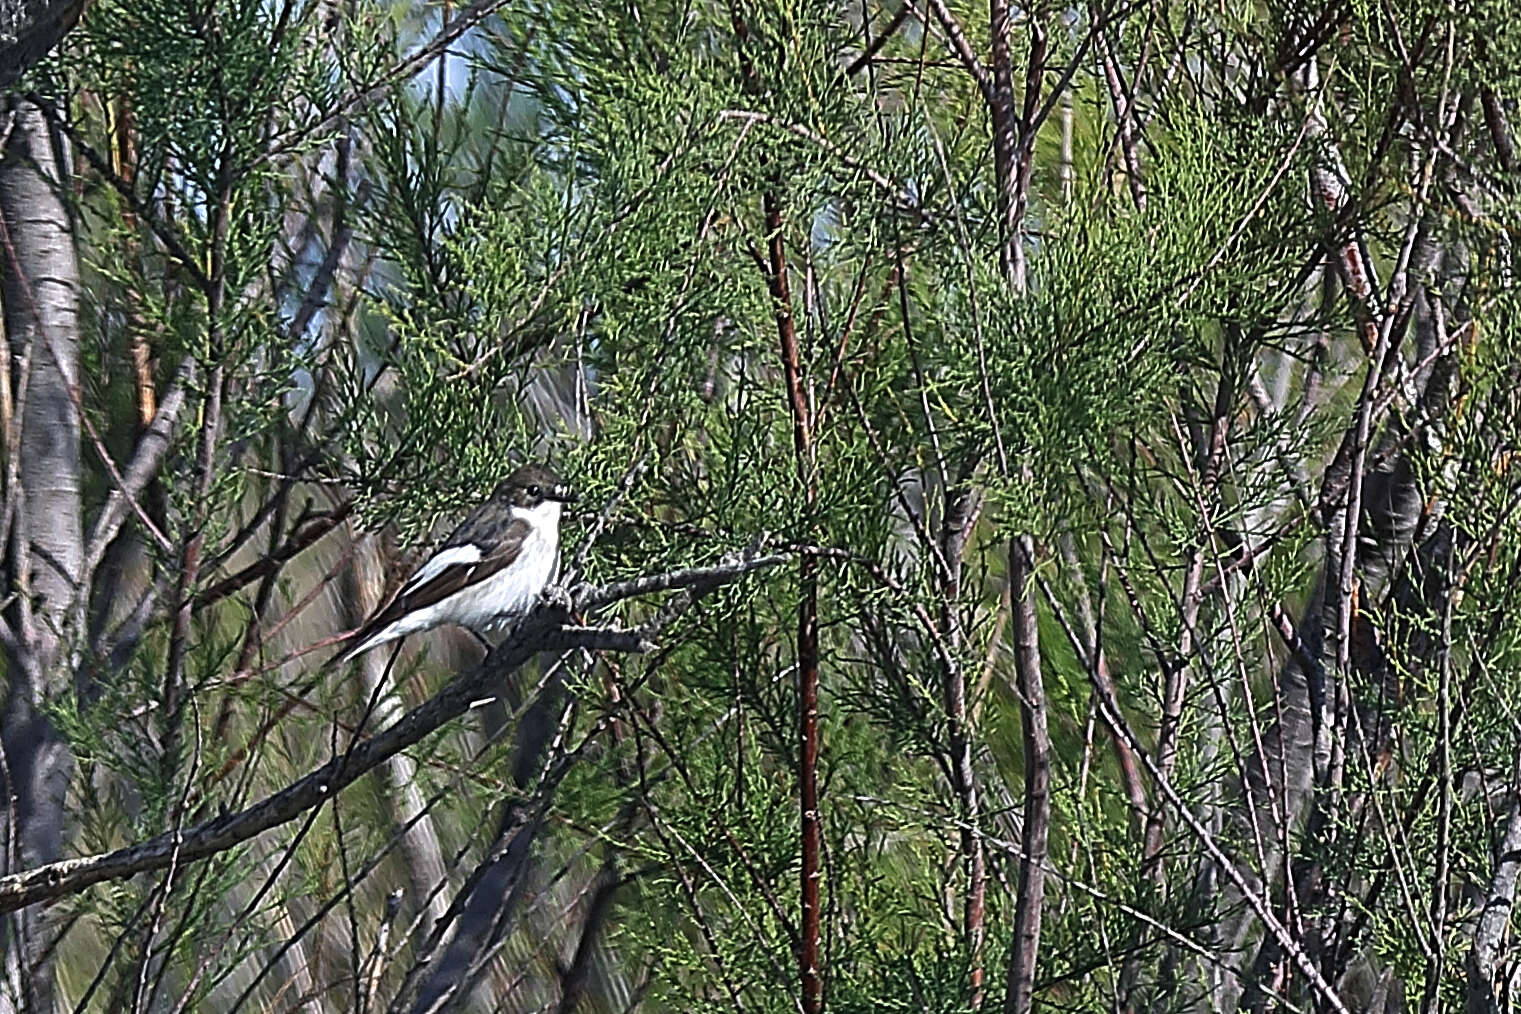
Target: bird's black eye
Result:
[534, 491]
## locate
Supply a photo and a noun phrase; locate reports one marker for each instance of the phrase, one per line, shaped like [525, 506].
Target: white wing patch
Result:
[453, 556]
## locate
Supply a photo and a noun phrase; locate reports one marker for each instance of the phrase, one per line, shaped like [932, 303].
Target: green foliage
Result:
[554, 244]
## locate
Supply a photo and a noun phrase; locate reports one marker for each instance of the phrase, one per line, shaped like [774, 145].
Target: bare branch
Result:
[573, 979]
[539, 632]
[307, 534]
[962, 47]
[591, 599]
[1484, 993]
[1030, 686]
[144, 465]
[876, 44]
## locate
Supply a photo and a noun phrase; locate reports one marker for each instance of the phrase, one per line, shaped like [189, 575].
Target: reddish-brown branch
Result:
[306, 534]
[807, 615]
[124, 163]
[774, 265]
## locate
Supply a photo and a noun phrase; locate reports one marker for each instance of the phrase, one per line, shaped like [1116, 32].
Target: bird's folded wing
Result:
[450, 570]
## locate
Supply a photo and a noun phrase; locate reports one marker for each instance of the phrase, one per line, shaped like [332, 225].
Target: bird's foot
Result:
[557, 597]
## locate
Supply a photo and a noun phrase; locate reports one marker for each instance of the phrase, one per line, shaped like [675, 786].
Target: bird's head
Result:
[531, 486]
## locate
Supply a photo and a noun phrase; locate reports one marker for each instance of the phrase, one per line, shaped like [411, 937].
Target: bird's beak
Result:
[564, 494]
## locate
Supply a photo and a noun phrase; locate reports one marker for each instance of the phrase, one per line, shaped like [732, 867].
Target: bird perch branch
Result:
[541, 631]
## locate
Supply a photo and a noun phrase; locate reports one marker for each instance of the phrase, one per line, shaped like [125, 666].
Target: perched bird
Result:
[490, 571]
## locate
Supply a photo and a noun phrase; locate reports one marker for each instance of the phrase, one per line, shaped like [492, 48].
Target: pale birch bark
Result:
[40, 272]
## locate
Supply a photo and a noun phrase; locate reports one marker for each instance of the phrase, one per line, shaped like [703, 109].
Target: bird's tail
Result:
[379, 630]
[346, 656]
[359, 642]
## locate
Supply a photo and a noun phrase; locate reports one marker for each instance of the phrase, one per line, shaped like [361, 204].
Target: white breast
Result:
[494, 603]
[515, 589]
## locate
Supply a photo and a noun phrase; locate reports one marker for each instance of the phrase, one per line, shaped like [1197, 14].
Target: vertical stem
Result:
[211, 420]
[1175, 677]
[192, 550]
[1068, 176]
[1125, 126]
[441, 79]
[124, 162]
[807, 615]
[1485, 979]
[1431, 1000]
[1035, 71]
[961, 509]
[808, 779]
[1012, 149]
[1005, 140]
[1031, 887]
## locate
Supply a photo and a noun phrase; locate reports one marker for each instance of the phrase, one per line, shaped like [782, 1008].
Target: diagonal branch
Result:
[306, 534]
[540, 632]
[874, 45]
[151, 448]
[898, 195]
[402, 70]
[958, 42]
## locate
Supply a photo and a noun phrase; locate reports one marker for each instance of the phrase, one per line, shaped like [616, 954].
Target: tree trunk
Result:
[29, 28]
[45, 550]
